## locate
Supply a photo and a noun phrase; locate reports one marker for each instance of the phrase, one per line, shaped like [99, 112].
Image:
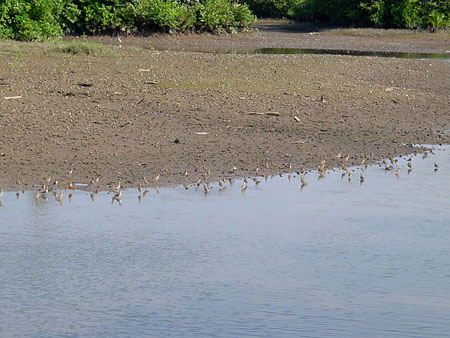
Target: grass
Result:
[80, 48]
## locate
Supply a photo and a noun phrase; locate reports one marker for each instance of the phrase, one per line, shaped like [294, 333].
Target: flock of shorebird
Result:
[50, 187]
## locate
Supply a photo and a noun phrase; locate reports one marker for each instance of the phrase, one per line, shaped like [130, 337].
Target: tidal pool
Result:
[336, 258]
[225, 50]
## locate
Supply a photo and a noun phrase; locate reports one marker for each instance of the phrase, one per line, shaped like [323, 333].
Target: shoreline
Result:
[122, 114]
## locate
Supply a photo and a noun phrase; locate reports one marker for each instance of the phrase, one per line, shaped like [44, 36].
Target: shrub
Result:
[43, 19]
[436, 20]
[273, 8]
[29, 20]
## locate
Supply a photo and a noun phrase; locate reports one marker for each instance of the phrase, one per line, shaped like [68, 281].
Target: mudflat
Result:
[108, 113]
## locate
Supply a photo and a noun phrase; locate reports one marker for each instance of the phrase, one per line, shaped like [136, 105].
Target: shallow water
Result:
[334, 259]
[400, 55]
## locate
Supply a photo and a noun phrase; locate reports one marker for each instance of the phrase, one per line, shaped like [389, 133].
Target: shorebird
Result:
[118, 194]
[156, 178]
[60, 195]
[321, 174]
[397, 173]
[116, 188]
[145, 180]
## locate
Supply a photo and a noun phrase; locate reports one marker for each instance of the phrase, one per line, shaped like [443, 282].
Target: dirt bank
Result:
[121, 114]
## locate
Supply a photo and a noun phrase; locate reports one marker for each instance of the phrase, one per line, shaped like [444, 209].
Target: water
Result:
[335, 259]
[400, 55]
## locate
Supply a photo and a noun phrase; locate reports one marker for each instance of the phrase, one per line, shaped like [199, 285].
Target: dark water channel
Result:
[400, 55]
[336, 258]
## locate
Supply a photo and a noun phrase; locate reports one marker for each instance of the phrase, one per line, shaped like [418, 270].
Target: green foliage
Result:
[44, 19]
[29, 19]
[165, 14]
[274, 8]
[373, 13]
[436, 20]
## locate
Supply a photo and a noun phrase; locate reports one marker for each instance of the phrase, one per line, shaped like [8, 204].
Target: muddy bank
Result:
[285, 34]
[121, 114]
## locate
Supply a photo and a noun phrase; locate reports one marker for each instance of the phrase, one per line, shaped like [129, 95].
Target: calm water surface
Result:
[224, 50]
[335, 259]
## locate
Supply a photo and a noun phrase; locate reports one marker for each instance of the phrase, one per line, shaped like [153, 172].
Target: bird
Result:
[410, 165]
[145, 180]
[118, 194]
[116, 188]
[397, 173]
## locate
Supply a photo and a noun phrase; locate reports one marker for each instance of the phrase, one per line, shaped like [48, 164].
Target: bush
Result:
[29, 20]
[44, 19]
[273, 8]
[372, 13]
